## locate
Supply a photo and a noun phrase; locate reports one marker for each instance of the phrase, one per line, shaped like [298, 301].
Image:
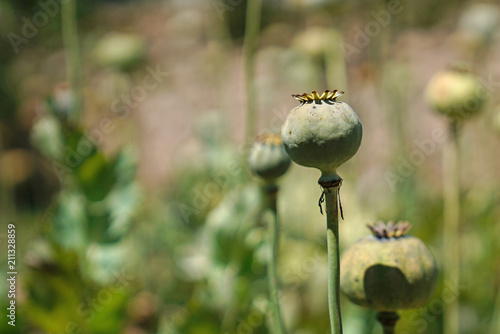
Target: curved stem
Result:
[272, 272]
[451, 228]
[332, 236]
[388, 321]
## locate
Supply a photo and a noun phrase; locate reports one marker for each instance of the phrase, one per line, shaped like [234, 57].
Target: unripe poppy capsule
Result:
[456, 93]
[322, 132]
[389, 270]
[267, 157]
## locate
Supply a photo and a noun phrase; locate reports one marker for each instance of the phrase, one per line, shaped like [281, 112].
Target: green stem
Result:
[332, 235]
[7, 205]
[73, 65]
[272, 271]
[388, 321]
[252, 29]
[495, 322]
[451, 227]
[335, 64]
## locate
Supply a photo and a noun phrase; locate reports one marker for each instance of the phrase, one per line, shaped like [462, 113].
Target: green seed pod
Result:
[389, 270]
[480, 21]
[322, 133]
[457, 93]
[120, 50]
[267, 157]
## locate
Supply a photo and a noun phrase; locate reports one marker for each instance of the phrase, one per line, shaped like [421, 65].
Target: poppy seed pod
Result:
[120, 50]
[389, 270]
[456, 93]
[267, 157]
[322, 133]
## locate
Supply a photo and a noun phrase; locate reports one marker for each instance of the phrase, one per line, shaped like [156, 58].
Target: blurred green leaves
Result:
[72, 284]
[96, 176]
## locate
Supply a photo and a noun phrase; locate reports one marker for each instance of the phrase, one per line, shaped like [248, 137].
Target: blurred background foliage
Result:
[143, 218]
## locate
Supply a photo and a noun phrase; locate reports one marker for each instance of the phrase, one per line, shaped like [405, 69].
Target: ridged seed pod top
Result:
[322, 132]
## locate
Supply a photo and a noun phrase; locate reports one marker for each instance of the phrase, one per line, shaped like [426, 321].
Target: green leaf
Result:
[96, 176]
[70, 221]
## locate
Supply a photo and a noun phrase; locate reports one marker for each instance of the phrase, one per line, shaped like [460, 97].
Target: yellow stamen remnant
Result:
[270, 138]
[329, 96]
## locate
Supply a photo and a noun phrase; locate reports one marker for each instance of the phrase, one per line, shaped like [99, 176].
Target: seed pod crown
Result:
[391, 230]
[327, 96]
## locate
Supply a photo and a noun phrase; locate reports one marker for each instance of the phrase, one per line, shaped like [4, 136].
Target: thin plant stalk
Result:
[335, 63]
[73, 62]
[451, 226]
[252, 31]
[272, 270]
[6, 198]
[73, 72]
[332, 236]
[388, 321]
[495, 322]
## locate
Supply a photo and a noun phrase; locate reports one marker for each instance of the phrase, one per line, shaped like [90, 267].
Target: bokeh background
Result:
[141, 216]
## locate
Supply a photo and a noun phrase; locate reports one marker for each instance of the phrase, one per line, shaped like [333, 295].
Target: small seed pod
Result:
[456, 93]
[479, 22]
[322, 132]
[120, 50]
[267, 157]
[389, 270]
